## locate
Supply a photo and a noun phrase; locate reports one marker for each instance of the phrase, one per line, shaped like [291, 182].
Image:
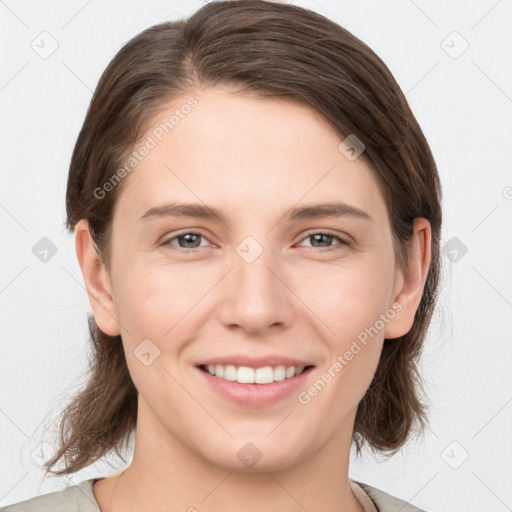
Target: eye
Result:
[188, 240]
[322, 239]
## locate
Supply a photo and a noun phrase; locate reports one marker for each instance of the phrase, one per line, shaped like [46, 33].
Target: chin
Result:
[250, 457]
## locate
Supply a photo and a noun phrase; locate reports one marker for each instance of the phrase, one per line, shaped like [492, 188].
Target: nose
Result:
[255, 295]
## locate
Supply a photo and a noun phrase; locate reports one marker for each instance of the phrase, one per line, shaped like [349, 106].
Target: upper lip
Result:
[255, 362]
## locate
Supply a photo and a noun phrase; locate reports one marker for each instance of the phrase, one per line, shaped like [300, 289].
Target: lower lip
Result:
[255, 395]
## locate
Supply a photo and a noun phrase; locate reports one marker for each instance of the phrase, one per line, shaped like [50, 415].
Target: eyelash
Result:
[343, 241]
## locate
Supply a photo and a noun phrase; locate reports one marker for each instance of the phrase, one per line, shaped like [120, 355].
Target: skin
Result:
[253, 159]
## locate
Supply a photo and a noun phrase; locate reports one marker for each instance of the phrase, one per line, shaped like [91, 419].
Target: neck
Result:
[166, 475]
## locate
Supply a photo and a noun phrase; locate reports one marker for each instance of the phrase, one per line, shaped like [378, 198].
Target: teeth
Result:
[247, 375]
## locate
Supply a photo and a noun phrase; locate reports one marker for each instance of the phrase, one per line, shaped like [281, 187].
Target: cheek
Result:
[161, 300]
[347, 297]
[164, 303]
[353, 355]
[158, 306]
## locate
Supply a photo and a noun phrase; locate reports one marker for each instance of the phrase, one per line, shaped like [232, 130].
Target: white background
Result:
[464, 106]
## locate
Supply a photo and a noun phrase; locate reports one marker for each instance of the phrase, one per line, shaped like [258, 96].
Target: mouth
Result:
[247, 375]
[254, 387]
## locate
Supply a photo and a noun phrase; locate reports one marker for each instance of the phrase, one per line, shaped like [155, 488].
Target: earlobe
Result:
[97, 281]
[411, 281]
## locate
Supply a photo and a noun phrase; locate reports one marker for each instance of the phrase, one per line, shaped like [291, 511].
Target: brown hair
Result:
[270, 50]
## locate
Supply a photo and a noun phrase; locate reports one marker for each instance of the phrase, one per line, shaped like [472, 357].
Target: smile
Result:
[248, 375]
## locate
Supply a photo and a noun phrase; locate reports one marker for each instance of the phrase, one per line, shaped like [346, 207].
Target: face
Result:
[256, 274]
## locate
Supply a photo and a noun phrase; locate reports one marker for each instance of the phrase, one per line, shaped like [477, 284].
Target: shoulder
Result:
[384, 502]
[75, 498]
[80, 498]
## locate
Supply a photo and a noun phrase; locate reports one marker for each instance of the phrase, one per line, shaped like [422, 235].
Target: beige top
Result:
[80, 498]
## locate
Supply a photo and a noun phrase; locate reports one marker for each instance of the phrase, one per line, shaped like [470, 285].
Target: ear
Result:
[97, 280]
[410, 282]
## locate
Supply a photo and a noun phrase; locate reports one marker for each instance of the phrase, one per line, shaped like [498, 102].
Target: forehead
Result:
[247, 154]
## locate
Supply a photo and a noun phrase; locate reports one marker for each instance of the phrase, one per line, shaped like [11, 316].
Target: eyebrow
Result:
[203, 211]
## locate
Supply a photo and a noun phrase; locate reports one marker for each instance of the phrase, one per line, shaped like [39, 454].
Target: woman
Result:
[257, 219]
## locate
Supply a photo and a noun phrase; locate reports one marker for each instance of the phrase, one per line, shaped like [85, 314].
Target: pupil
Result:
[328, 237]
[188, 241]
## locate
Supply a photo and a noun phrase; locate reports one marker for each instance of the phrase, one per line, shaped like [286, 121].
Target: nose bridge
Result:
[252, 264]
[257, 298]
